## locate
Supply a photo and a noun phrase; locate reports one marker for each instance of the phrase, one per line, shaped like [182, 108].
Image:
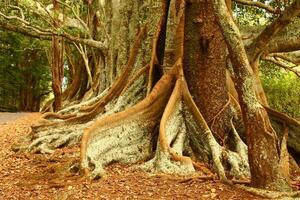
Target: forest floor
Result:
[37, 176]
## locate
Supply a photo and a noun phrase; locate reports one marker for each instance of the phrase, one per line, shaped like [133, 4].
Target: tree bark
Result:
[57, 69]
[205, 66]
[264, 152]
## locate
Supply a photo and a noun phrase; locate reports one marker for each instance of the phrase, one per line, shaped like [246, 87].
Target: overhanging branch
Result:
[284, 45]
[47, 35]
[260, 44]
[282, 64]
[259, 5]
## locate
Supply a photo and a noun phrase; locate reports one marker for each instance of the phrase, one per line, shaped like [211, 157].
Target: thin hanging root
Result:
[114, 92]
[215, 149]
[125, 136]
[118, 86]
[237, 160]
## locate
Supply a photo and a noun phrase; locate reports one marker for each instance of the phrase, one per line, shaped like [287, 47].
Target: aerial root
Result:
[120, 83]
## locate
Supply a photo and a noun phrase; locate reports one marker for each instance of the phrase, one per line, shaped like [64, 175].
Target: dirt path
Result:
[6, 117]
[36, 176]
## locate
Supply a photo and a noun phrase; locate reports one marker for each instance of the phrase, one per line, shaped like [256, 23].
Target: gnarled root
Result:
[125, 136]
[184, 132]
[184, 136]
[46, 140]
[90, 112]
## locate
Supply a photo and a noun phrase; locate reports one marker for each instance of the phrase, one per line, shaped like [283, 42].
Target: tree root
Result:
[270, 194]
[125, 136]
[45, 141]
[97, 108]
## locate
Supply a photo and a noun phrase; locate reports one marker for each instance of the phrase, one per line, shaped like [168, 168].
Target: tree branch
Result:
[47, 35]
[292, 57]
[260, 44]
[39, 9]
[284, 45]
[282, 64]
[259, 5]
[22, 30]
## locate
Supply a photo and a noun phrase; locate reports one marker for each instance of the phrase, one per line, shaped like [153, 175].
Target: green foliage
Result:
[250, 15]
[23, 67]
[282, 89]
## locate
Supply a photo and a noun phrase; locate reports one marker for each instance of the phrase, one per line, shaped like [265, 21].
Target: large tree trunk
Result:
[205, 67]
[267, 159]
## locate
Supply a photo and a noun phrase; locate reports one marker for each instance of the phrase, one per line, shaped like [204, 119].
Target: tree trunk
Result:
[265, 156]
[205, 67]
[57, 64]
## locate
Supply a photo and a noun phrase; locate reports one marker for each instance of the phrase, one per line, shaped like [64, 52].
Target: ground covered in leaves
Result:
[37, 176]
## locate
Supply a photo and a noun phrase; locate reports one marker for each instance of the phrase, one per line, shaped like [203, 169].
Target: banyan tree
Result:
[172, 85]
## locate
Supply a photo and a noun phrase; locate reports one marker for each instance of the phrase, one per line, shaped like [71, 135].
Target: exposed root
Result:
[46, 140]
[51, 115]
[68, 135]
[280, 122]
[120, 83]
[125, 136]
[135, 77]
[184, 132]
[172, 140]
[99, 107]
[75, 108]
[271, 194]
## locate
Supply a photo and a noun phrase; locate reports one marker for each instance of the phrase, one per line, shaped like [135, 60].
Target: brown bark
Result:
[57, 69]
[260, 44]
[264, 156]
[205, 66]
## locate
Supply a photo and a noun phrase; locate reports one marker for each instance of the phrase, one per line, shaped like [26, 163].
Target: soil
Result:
[27, 176]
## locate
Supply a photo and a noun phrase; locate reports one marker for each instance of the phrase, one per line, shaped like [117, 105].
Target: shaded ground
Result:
[37, 176]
